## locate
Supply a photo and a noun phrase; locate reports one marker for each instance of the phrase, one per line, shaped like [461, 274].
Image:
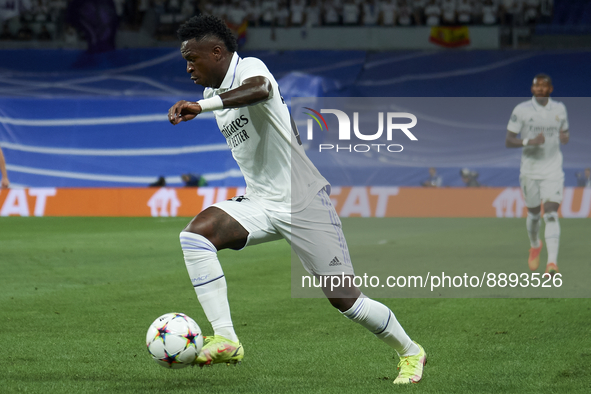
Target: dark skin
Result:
[541, 89]
[208, 61]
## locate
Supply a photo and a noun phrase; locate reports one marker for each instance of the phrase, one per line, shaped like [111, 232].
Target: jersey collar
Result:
[231, 73]
[539, 107]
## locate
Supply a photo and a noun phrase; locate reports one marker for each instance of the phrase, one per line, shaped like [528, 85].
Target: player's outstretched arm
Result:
[251, 91]
[511, 140]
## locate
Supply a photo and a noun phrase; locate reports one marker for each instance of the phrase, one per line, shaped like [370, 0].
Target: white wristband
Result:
[211, 104]
[525, 141]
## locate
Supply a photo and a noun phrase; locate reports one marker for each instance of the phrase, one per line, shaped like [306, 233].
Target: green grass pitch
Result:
[78, 294]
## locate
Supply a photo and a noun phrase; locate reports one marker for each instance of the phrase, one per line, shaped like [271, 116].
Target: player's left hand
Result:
[564, 136]
[183, 111]
[4, 184]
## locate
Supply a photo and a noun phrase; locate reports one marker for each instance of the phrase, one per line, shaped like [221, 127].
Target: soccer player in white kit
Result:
[543, 125]
[278, 203]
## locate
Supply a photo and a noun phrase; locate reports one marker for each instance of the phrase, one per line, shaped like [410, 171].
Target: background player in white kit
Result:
[543, 125]
[278, 203]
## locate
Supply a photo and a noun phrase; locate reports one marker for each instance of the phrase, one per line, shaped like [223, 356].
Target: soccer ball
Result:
[174, 340]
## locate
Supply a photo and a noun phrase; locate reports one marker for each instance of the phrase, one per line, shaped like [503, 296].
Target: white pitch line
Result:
[397, 59]
[116, 152]
[446, 74]
[132, 67]
[147, 81]
[344, 63]
[92, 121]
[176, 54]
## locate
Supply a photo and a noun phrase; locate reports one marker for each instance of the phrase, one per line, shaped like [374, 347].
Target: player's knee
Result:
[205, 224]
[551, 217]
[342, 304]
[551, 207]
[219, 228]
[342, 295]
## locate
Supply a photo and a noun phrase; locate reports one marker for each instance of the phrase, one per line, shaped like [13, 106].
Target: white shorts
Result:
[537, 191]
[315, 233]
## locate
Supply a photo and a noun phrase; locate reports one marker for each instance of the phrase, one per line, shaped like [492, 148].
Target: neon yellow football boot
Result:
[411, 368]
[217, 349]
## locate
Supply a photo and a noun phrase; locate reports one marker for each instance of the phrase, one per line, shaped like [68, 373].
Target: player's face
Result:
[203, 62]
[541, 87]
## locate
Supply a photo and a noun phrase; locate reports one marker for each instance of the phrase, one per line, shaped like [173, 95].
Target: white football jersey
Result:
[530, 119]
[277, 172]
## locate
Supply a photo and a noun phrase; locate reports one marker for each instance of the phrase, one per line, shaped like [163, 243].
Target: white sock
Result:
[552, 235]
[209, 282]
[380, 320]
[533, 229]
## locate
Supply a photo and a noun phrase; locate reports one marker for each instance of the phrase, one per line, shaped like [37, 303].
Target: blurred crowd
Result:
[46, 19]
[286, 13]
[28, 20]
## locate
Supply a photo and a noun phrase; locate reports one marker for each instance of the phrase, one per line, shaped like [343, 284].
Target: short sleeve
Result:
[515, 122]
[252, 67]
[564, 125]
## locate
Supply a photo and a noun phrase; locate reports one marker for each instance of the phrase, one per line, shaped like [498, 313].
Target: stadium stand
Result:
[161, 18]
[99, 118]
[570, 17]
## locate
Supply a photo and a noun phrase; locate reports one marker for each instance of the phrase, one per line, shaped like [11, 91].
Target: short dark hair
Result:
[201, 26]
[544, 76]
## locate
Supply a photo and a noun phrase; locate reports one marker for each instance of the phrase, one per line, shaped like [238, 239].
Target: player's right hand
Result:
[539, 140]
[183, 111]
